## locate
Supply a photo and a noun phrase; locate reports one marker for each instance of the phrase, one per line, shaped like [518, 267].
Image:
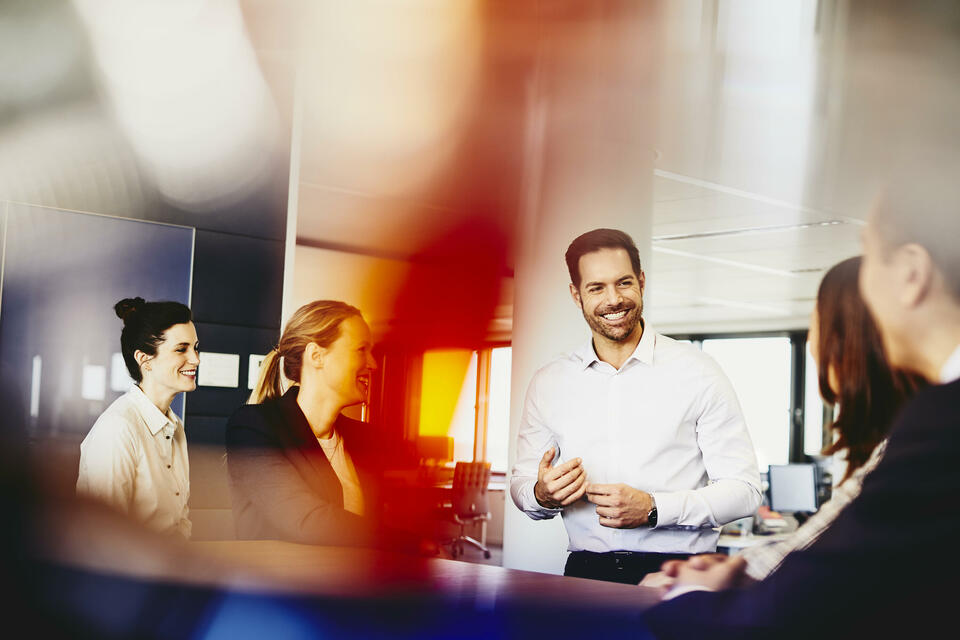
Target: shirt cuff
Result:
[681, 589]
[536, 507]
[668, 507]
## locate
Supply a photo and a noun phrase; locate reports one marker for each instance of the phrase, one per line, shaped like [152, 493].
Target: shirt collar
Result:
[155, 419]
[586, 354]
[951, 368]
[643, 353]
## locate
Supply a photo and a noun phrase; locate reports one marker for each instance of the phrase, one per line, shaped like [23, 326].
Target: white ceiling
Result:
[737, 262]
[769, 142]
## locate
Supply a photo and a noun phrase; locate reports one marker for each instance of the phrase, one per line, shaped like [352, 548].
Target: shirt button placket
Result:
[617, 439]
[616, 430]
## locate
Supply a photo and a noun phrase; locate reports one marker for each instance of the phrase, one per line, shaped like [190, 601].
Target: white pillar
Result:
[589, 164]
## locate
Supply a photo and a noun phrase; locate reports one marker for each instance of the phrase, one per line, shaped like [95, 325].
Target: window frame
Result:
[482, 404]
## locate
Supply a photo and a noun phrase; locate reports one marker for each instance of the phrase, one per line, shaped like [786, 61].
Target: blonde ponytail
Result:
[269, 383]
[317, 322]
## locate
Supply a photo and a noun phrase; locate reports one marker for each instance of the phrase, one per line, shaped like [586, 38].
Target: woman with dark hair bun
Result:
[135, 456]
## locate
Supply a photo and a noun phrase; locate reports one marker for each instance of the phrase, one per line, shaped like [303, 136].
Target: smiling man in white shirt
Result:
[637, 440]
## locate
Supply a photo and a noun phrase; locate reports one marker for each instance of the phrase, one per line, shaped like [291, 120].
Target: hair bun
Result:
[127, 306]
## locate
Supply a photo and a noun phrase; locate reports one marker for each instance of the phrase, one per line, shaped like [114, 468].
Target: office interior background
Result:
[429, 161]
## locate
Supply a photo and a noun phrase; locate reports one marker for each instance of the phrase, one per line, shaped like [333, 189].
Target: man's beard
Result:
[616, 334]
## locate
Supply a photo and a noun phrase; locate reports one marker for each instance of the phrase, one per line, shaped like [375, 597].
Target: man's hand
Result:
[620, 506]
[559, 486]
[714, 571]
[659, 581]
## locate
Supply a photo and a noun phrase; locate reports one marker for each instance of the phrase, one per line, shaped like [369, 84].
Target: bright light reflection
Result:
[393, 83]
[186, 88]
[119, 376]
[35, 387]
[93, 385]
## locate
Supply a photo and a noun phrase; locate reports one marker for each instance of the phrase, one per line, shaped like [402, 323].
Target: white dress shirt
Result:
[949, 372]
[667, 422]
[135, 460]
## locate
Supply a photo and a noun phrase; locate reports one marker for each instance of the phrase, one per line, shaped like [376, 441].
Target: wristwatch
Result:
[652, 514]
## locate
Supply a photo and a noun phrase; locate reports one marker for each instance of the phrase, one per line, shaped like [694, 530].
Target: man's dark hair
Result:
[594, 241]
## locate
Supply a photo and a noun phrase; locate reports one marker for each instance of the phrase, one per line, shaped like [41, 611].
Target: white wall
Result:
[372, 284]
[547, 323]
[580, 175]
[369, 283]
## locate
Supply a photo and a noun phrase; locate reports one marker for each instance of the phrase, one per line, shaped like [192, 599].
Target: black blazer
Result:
[888, 565]
[283, 487]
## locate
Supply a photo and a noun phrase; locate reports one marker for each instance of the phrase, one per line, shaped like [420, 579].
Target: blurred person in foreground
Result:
[135, 456]
[853, 373]
[886, 565]
[299, 469]
[637, 440]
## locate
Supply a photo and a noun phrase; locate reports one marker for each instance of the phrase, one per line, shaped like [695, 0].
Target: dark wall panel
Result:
[237, 280]
[206, 431]
[218, 401]
[208, 409]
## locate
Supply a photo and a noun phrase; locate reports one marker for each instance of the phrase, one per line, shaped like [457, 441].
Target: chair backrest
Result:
[470, 480]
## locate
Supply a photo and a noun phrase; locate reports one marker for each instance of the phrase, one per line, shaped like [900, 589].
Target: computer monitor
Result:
[793, 487]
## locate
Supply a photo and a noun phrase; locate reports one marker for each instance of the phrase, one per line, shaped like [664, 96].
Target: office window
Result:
[447, 397]
[812, 410]
[498, 418]
[760, 371]
[466, 395]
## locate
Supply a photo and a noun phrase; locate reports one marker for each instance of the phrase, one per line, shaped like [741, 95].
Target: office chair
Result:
[470, 480]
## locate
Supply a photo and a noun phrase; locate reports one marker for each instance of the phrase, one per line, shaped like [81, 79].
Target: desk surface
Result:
[356, 572]
[742, 542]
[96, 561]
[352, 593]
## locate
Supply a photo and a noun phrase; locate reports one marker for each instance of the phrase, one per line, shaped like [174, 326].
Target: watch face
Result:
[652, 517]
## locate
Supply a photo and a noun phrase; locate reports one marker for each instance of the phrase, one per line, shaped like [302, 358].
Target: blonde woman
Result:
[299, 470]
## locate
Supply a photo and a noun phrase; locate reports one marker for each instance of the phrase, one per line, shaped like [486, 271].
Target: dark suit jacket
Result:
[282, 485]
[887, 565]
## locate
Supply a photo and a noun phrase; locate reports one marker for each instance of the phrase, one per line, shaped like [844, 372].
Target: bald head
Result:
[910, 275]
[925, 210]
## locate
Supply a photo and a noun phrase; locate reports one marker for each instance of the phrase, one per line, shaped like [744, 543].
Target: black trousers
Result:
[627, 567]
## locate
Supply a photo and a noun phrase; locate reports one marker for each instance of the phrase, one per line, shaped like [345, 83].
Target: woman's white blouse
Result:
[135, 460]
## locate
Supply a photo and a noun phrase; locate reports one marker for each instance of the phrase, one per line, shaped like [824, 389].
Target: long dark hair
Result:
[870, 391]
